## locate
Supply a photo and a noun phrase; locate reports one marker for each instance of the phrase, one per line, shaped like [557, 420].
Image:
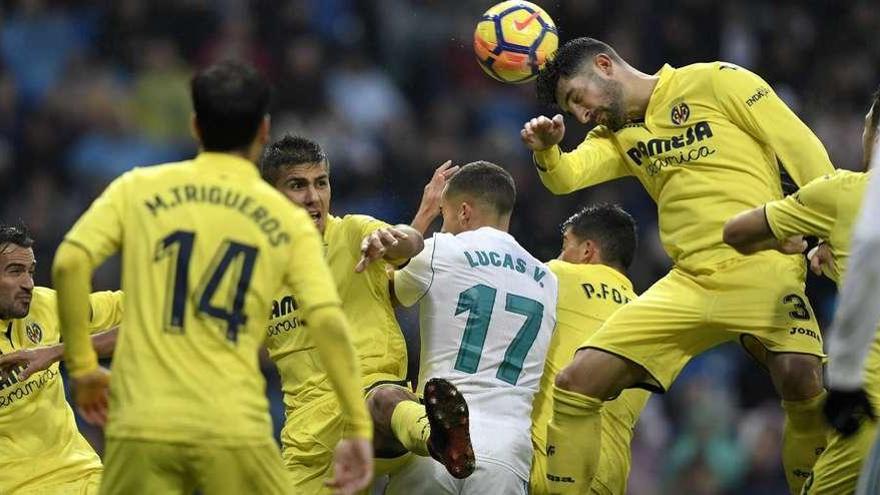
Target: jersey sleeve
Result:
[308, 274]
[810, 211]
[752, 105]
[105, 310]
[594, 161]
[413, 281]
[366, 225]
[99, 230]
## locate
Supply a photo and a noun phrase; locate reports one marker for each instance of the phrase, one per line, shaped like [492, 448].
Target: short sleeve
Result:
[413, 281]
[307, 271]
[810, 211]
[105, 310]
[99, 230]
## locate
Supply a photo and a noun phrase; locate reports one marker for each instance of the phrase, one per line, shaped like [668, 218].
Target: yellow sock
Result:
[409, 422]
[573, 442]
[803, 439]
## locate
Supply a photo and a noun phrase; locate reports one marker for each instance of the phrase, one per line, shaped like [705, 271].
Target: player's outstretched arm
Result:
[38, 359]
[596, 160]
[394, 244]
[429, 208]
[72, 274]
[749, 233]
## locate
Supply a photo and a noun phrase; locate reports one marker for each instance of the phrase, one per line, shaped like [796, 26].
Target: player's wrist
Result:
[546, 159]
[78, 366]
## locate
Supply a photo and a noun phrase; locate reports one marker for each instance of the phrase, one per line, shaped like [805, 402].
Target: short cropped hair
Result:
[487, 182]
[611, 227]
[230, 100]
[290, 150]
[566, 62]
[15, 234]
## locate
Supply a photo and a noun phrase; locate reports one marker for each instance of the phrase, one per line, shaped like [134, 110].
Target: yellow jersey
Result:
[366, 302]
[38, 435]
[827, 207]
[588, 295]
[206, 244]
[707, 149]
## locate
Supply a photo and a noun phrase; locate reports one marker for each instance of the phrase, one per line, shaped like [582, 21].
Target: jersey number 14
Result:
[479, 301]
[225, 259]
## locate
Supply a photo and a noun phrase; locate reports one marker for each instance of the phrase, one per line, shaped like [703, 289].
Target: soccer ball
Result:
[513, 40]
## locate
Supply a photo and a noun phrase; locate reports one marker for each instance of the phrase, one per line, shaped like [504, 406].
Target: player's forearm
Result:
[555, 171]
[105, 342]
[858, 314]
[329, 329]
[71, 275]
[406, 248]
[423, 220]
[749, 233]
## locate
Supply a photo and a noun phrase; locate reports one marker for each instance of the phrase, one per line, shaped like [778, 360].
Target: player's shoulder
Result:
[157, 172]
[579, 272]
[43, 295]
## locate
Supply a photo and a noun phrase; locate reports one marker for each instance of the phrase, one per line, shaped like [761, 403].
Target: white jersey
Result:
[487, 309]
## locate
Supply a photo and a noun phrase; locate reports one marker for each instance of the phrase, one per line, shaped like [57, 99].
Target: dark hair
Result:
[566, 62]
[611, 227]
[487, 182]
[875, 106]
[230, 100]
[15, 234]
[290, 150]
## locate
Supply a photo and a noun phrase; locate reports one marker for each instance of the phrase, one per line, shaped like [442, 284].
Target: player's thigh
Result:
[538, 474]
[246, 469]
[661, 330]
[134, 467]
[619, 417]
[765, 299]
[836, 472]
[489, 477]
[424, 476]
[308, 441]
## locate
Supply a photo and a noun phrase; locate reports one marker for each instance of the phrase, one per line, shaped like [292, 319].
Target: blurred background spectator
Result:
[390, 88]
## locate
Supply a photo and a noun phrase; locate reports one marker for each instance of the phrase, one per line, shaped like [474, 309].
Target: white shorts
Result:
[425, 476]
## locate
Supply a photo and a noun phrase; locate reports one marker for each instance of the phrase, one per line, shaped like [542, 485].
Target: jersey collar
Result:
[657, 96]
[226, 162]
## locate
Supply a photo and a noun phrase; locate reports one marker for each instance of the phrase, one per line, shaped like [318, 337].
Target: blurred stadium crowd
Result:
[89, 89]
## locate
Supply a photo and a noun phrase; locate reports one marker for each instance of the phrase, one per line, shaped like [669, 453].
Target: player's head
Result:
[17, 263]
[230, 108]
[600, 234]
[583, 80]
[298, 167]
[480, 194]
[870, 134]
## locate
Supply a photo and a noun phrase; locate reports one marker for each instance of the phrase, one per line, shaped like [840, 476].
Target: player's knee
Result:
[382, 400]
[796, 376]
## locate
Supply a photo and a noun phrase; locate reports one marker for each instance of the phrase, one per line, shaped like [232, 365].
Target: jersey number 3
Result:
[239, 258]
[479, 301]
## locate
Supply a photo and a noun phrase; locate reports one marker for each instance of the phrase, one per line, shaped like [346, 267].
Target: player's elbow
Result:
[69, 259]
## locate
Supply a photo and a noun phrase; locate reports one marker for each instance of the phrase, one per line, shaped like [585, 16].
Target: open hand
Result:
[29, 361]
[91, 393]
[352, 466]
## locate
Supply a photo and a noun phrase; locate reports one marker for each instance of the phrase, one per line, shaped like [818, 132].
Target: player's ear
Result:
[604, 64]
[264, 131]
[589, 251]
[194, 128]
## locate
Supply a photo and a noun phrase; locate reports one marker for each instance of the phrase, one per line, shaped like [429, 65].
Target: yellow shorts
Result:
[684, 314]
[837, 470]
[308, 440]
[619, 417]
[88, 485]
[134, 467]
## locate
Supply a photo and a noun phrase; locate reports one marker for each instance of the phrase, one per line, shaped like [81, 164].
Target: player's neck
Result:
[641, 87]
[502, 224]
